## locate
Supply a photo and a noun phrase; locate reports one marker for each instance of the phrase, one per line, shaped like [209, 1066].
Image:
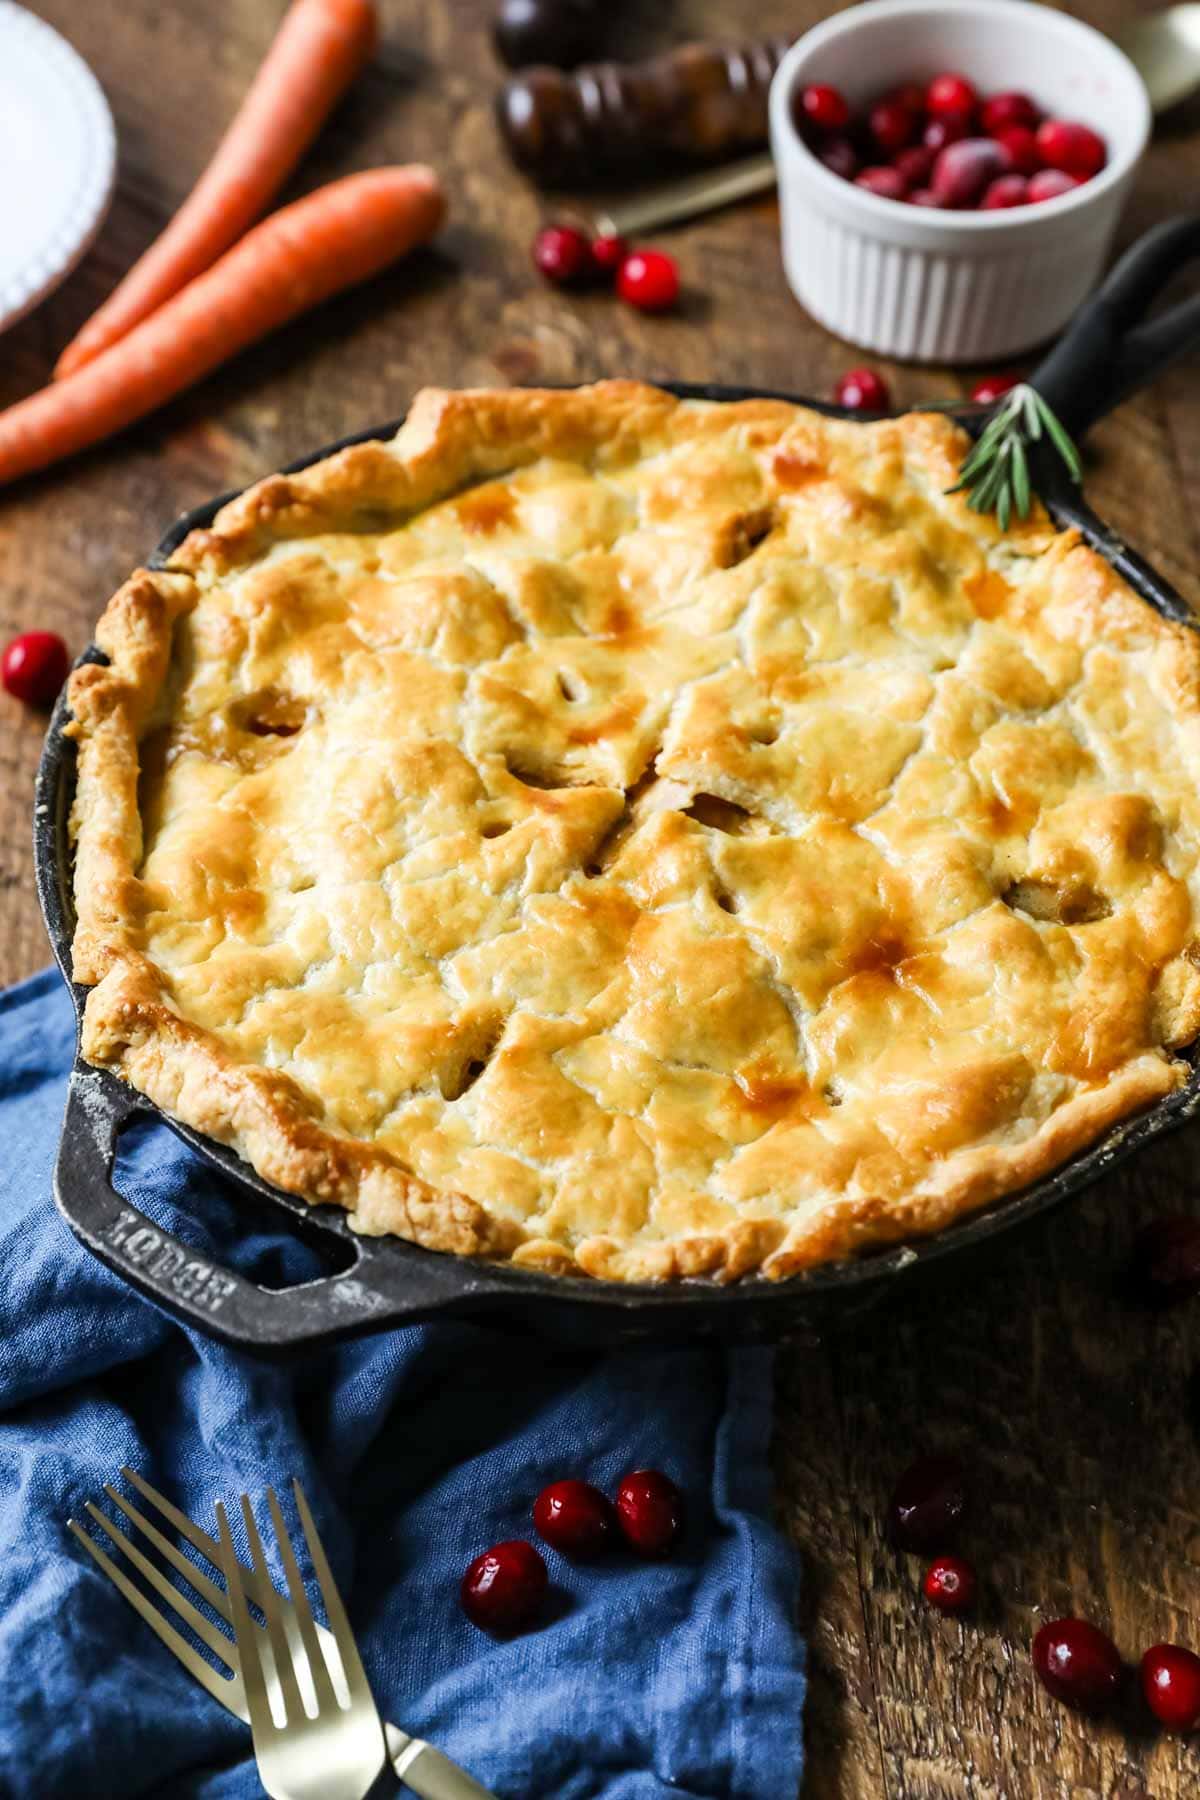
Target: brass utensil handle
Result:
[434, 1777]
[687, 197]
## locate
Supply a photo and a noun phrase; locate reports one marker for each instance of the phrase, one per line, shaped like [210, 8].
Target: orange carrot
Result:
[318, 50]
[340, 235]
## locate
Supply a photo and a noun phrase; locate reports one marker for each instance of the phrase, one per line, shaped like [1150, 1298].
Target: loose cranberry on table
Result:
[964, 171]
[1077, 1663]
[862, 390]
[1164, 1264]
[991, 388]
[928, 1503]
[1171, 1684]
[608, 253]
[650, 1512]
[1048, 184]
[1003, 110]
[952, 94]
[576, 1518]
[1073, 148]
[823, 107]
[34, 667]
[950, 1584]
[563, 254]
[504, 1589]
[649, 280]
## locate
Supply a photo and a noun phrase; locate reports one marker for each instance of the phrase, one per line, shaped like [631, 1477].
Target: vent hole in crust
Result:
[719, 815]
[497, 828]
[457, 1082]
[726, 901]
[831, 1093]
[766, 733]
[1046, 901]
[570, 687]
[742, 536]
[534, 778]
[271, 714]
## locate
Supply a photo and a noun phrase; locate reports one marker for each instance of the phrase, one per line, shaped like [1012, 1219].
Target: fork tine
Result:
[258, 1704]
[187, 1528]
[317, 1661]
[211, 1550]
[335, 1612]
[194, 1576]
[216, 1640]
[293, 1705]
[229, 1692]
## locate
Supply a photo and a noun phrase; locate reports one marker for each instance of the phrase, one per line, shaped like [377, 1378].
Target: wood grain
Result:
[1077, 1417]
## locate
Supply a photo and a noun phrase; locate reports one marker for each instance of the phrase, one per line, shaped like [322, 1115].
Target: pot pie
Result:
[639, 837]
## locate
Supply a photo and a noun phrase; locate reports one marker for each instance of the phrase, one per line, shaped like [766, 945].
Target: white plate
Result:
[58, 154]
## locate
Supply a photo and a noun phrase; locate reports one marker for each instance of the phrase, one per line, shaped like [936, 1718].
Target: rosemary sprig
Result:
[995, 477]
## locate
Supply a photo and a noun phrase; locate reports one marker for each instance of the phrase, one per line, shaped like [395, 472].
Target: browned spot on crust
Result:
[793, 470]
[768, 1096]
[486, 509]
[623, 714]
[988, 593]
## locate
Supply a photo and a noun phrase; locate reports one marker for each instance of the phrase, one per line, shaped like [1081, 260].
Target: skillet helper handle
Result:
[184, 1280]
[1110, 349]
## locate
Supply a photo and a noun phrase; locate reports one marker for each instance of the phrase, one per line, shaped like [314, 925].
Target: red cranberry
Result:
[916, 165]
[889, 184]
[1075, 149]
[910, 95]
[892, 125]
[950, 129]
[649, 280]
[1164, 1264]
[1003, 110]
[950, 1584]
[963, 171]
[992, 388]
[823, 108]
[1171, 1684]
[562, 254]
[927, 1503]
[924, 197]
[1022, 145]
[862, 390]
[1077, 1663]
[504, 1588]
[576, 1518]
[1006, 191]
[1048, 184]
[650, 1512]
[34, 667]
[950, 94]
[608, 253]
[838, 154]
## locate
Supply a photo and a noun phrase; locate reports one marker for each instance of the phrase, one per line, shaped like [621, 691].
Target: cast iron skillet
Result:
[1107, 353]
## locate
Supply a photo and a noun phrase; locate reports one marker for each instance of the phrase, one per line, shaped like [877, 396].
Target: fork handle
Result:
[433, 1776]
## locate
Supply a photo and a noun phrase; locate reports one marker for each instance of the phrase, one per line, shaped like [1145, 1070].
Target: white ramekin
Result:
[933, 286]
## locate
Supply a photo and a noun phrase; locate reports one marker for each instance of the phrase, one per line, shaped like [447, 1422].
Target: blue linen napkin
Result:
[417, 1449]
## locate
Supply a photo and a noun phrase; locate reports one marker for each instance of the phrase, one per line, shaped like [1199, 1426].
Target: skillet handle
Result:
[1106, 353]
[188, 1283]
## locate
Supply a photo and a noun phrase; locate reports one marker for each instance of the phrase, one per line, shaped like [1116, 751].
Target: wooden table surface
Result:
[1078, 1418]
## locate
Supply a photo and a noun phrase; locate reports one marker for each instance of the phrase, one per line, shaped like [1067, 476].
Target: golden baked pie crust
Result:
[638, 836]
